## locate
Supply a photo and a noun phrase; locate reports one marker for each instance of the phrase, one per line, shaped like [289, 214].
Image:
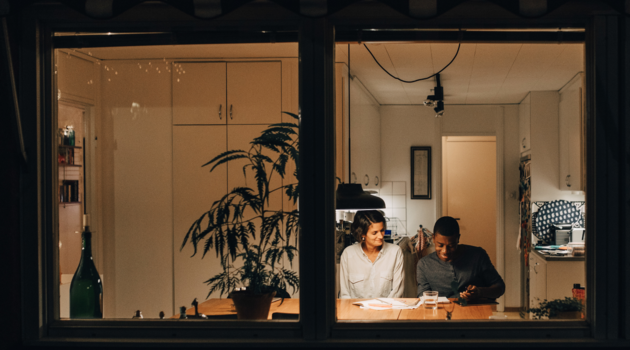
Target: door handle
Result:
[567, 180]
[523, 142]
[366, 178]
[376, 180]
[220, 108]
[457, 219]
[231, 112]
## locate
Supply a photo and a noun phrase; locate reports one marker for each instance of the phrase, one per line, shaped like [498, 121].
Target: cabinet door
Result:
[341, 121]
[365, 138]
[239, 138]
[199, 93]
[524, 129]
[570, 136]
[194, 190]
[254, 92]
[537, 280]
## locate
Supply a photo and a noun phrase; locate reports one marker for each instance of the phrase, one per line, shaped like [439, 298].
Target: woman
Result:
[371, 268]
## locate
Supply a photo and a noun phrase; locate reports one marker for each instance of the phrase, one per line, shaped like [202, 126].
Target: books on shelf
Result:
[66, 156]
[69, 191]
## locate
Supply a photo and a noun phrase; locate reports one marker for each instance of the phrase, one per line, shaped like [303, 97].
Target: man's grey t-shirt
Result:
[472, 267]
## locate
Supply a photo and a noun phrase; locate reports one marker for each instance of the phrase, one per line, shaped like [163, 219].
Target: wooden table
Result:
[347, 311]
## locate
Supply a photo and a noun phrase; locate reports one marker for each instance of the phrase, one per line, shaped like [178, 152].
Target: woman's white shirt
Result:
[359, 277]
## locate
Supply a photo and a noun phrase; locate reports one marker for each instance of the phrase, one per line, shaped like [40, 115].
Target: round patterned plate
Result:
[556, 212]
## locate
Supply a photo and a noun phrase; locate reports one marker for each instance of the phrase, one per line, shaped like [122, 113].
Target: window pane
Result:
[448, 146]
[188, 180]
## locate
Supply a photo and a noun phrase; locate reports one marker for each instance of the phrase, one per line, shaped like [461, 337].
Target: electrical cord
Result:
[413, 81]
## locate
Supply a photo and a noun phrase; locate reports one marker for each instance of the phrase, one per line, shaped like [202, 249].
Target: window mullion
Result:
[317, 176]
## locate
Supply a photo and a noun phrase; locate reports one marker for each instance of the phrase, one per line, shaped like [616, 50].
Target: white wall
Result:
[135, 146]
[405, 126]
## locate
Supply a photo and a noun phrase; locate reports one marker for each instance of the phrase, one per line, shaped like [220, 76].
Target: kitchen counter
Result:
[558, 258]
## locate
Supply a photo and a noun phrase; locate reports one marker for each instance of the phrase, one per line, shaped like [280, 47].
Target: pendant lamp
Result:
[352, 197]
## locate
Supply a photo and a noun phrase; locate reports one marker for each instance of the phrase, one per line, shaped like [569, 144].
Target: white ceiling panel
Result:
[481, 73]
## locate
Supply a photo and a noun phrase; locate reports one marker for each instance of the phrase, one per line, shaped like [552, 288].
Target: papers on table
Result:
[394, 304]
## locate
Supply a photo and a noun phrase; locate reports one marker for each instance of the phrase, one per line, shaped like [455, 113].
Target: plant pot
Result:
[250, 306]
[566, 315]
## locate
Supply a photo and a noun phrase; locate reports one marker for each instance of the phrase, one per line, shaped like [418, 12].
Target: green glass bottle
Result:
[86, 289]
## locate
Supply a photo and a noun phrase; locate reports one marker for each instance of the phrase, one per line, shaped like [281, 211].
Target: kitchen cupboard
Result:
[524, 127]
[365, 137]
[227, 92]
[202, 129]
[80, 86]
[553, 277]
[570, 133]
[195, 188]
[341, 122]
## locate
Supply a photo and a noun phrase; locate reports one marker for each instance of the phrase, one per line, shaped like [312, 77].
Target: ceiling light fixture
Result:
[436, 100]
[439, 110]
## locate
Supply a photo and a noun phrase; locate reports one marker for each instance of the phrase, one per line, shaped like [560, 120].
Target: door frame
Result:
[500, 185]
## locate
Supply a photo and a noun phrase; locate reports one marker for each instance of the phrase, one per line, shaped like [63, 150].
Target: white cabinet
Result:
[365, 137]
[76, 80]
[341, 122]
[227, 93]
[254, 92]
[554, 278]
[203, 127]
[199, 95]
[195, 188]
[570, 135]
[524, 130]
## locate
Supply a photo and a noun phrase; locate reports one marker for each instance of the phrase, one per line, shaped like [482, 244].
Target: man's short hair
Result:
[446, 226]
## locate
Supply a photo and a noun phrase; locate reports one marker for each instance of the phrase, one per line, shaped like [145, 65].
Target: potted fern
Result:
[250, 238]
[567, 308]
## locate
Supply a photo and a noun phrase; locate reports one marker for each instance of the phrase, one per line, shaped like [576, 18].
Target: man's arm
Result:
[495, 287]
[494, 291]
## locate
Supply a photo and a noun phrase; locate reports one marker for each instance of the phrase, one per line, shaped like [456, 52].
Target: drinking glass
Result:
[430, 299]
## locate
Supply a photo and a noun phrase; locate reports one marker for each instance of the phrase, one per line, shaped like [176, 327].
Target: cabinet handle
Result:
[523, 142]
[354, 178]
[567, 180]
[366, 178]
[220, 111]
[231, 112]
[535, 268]
[376, 180]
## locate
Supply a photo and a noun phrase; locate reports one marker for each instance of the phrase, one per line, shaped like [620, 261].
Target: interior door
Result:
[469, 192]
[254, 92]
[194, 190]
[199, 94]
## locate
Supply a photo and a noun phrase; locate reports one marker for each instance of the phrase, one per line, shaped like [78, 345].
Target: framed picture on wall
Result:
[421, 172]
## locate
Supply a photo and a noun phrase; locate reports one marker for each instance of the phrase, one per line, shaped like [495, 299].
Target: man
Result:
[469, 266]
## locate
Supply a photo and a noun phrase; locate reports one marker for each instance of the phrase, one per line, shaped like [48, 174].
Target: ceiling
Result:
[480, 74]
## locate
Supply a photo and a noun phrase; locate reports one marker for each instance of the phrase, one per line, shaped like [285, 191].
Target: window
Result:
[151, 127]
[317, 293]
[497, 100]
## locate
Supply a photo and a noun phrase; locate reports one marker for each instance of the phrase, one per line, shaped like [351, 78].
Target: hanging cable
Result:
[413, 81]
